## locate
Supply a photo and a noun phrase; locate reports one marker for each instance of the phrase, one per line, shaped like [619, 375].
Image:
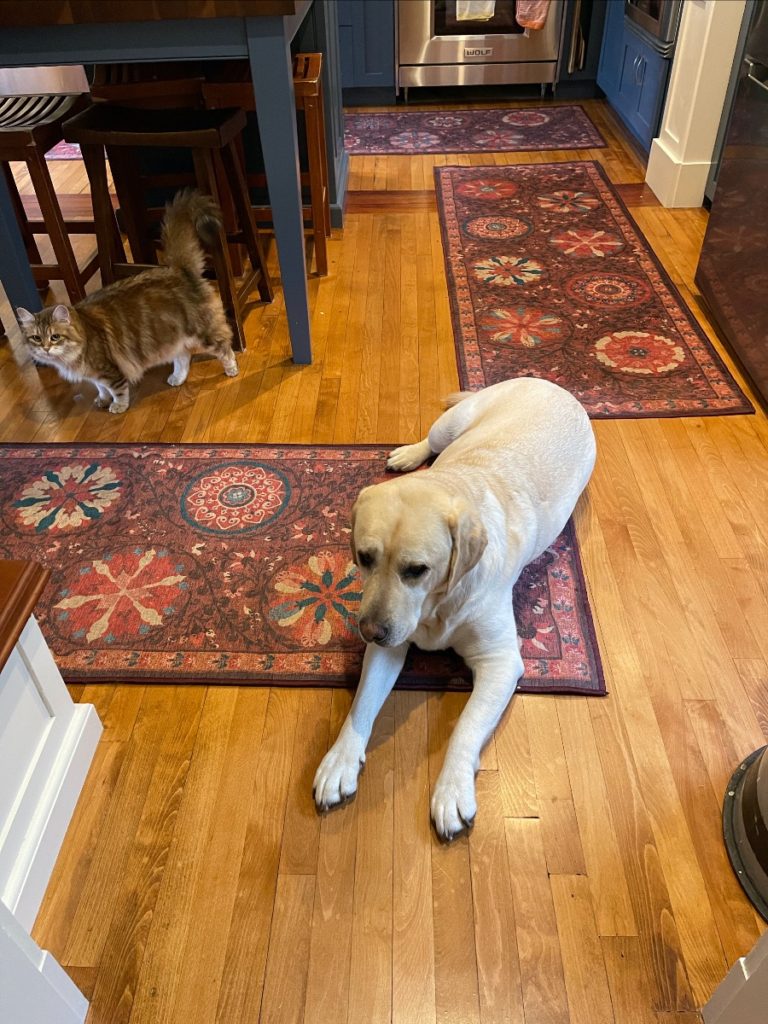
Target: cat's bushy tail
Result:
[190, 218]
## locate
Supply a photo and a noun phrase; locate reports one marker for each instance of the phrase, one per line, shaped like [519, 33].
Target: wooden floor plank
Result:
[586, 983]
[498, 968]
[413, 953]
[456, 972]
[538, 943]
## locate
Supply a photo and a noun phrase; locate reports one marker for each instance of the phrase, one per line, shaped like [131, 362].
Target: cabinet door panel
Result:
[611, 51]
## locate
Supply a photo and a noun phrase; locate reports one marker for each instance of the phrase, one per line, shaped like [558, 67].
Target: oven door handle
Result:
[751, 65]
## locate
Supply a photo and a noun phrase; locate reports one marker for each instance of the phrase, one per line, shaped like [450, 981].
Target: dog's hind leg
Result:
[447, 428]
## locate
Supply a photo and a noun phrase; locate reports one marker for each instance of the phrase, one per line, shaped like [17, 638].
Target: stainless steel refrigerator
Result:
[732, 274]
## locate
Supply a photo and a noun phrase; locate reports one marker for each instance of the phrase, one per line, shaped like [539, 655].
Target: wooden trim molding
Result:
[21, 584]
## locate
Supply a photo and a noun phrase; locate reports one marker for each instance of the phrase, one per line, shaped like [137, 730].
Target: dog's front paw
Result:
[453, 803]
[408, 456]
[336, 778]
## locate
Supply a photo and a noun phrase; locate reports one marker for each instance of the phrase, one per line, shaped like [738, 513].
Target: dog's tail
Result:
[190, 218]
[455, 398]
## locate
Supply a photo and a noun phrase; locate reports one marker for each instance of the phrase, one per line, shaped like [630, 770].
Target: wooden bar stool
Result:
[29, 127]
[210, 136]
[308, 89]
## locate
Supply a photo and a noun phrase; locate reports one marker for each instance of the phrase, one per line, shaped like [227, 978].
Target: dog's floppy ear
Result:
[352, 524]
[469, 541]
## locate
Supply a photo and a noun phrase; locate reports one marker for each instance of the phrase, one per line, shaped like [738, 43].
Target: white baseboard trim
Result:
[23, 891]
[676, 183]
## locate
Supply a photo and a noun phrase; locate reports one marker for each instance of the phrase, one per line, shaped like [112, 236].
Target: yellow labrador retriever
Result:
[439, 553]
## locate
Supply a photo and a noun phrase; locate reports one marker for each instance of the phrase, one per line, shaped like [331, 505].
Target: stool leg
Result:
[29, 239]
[108, 240]
[206, 181]
[324, 161]
[229, 213]
[238, 189]
[313, 129]
[124, 165]
[54, 225]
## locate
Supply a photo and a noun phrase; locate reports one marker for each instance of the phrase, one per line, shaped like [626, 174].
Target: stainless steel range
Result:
[454, 42]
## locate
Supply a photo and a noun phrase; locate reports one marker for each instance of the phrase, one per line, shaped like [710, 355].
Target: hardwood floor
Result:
[197, 884]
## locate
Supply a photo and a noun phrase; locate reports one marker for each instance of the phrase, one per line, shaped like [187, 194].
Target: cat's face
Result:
[50, 334]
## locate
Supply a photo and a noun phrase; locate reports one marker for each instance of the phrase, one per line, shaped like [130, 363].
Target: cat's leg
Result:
[221, 346]
[118, 390]
[104, 397]
[227, 359]
[180, 369]
[220, 343]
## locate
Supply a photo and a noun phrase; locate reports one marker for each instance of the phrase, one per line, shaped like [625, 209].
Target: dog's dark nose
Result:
[373, 632]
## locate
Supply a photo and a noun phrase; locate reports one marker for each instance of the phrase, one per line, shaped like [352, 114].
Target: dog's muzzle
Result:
[374, 632]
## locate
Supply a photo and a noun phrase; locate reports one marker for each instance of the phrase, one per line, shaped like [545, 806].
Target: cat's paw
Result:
[231, 369]
[102, 401]
[118, 407]
[177, 379]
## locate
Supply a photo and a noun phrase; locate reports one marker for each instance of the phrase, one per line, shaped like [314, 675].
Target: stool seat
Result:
[104, 123]
[34, 120]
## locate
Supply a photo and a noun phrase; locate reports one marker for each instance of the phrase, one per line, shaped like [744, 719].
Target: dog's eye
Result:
[364, 559]
[414, 572]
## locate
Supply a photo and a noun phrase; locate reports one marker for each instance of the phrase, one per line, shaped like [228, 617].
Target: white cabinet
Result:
[46, 746]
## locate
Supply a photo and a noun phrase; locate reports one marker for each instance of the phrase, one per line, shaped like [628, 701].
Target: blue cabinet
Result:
[367, 43]
[632, 75]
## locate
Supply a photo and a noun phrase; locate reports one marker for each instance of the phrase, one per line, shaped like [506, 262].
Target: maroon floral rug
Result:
[231, 564]
[471, 131]
[549, 276]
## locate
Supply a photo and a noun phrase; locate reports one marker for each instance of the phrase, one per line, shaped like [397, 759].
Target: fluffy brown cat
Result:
[159, 316]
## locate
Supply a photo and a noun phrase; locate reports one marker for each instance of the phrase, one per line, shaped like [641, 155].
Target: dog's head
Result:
[412, 541]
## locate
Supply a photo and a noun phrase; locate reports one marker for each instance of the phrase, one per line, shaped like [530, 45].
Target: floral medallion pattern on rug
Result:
[494, 130]
[232, 564]
[548, 276]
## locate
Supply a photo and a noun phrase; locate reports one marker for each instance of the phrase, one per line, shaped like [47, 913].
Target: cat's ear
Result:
[25, 317]
[60, 315]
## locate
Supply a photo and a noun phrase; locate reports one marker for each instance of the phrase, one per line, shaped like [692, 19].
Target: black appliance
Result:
[732, 274]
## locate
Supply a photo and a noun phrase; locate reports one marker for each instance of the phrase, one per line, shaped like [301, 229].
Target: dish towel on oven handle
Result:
[475, 10]
[532, 13]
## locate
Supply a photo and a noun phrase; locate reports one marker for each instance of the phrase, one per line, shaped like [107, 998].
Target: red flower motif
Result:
[527, 326]
[235, 498]
[639, 352]
[486, 188]
[320, 599]
[498, 227]
[568, 201]
[122, 596]
[497, 138]
[609, 291]
[525, 118]
[587, 242]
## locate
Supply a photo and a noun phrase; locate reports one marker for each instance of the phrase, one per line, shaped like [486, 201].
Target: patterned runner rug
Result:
[64, 151]
[549, 276]
[471, 131]
[231, 564]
